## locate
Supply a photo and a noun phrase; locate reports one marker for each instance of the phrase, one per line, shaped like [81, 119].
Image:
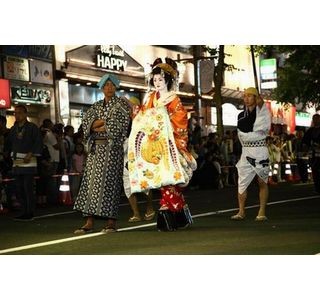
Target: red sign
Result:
[284, 115]
[4, 94]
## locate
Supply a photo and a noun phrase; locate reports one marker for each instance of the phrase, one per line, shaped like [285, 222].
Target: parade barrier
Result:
[64, 196]
[272, 175]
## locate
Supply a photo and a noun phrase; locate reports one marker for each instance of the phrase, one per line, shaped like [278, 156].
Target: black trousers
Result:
[303, 169]
[315, 167]
[25, 193]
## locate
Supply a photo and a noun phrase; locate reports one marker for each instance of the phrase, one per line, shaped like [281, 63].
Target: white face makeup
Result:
[159, 83]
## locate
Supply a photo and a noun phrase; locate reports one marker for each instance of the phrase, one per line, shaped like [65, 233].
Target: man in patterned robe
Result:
[105, 126]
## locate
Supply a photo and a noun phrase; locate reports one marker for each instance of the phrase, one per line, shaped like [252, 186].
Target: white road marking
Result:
[90, 235]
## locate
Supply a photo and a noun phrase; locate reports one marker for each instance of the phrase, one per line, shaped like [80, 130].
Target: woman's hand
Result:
[135, 110]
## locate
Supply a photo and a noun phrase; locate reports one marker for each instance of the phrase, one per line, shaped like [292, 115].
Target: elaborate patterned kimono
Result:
[101, 185]
[157, 155]
[253, 128]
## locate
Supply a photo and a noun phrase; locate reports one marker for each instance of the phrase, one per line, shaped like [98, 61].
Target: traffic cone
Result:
[64, 190]
[288, 173]
[3, 210]
[295, 174]
[271, 176]
[310, 173]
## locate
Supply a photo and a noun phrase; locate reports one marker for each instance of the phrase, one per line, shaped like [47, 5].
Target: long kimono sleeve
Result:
[118, 123]
[89, 118]
[179, 120]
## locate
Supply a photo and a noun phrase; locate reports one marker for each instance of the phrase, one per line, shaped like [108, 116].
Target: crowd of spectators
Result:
[63, 151]
[217, 156]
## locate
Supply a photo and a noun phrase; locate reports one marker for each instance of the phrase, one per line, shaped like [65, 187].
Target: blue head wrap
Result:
[107, 77]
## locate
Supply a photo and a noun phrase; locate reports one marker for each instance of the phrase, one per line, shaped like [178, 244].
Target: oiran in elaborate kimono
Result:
[157, 154]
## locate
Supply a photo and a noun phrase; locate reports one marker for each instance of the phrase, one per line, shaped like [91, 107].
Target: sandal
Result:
[83, 230]
[261, 218]
[237, 217]
[149, 216]
[108, 230]
[134, 219]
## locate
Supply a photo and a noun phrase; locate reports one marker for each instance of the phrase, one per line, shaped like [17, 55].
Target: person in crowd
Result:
[45, 172]
[78, 163]
[25, 144]
[58, 133]
[273, 165]
[311, 142]
[158, 155]
[209, 172]
[68, 145]
[301, 156]
[78, 136]
[274, 149]
[4, 131]
[253, 127]
[52, 142]
[105, 125]
[195, 136]
[5, 167]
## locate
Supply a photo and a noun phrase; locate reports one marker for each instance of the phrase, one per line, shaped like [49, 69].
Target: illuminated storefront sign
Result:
[282, 114]
[303, 119]
[268, 73]
[64, 101]
[4, 93]
[111, 57]
[31, 95]
[103, 58]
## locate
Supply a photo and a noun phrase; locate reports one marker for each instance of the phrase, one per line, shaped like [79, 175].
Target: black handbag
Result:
[166, 220]
[183, 217]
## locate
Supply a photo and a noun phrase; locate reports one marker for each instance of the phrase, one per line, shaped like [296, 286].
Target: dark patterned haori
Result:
[100, 189]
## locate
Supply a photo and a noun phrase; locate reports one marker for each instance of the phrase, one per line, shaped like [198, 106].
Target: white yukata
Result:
[254, 159]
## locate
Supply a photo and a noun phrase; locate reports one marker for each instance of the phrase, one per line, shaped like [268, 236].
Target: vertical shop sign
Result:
[268, 73]
[206, 75]
[64, 101]
[4, 94]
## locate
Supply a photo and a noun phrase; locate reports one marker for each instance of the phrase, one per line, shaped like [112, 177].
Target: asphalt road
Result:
[293, 228]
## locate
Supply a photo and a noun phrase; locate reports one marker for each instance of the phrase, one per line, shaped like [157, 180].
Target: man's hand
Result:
[98, 126]
[97, 123]
[27, 158]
